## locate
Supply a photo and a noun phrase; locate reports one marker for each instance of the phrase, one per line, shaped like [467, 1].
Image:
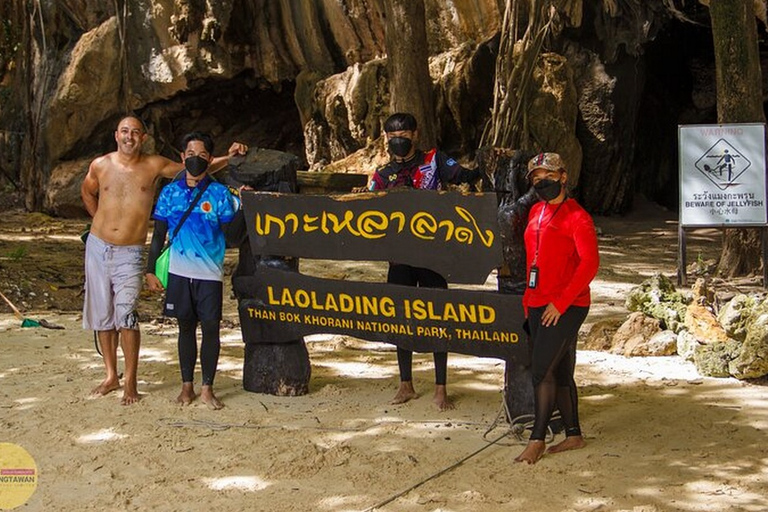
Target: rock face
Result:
[282, 74]
[658, 298]
[752, 359]
[714, 360]
[265, 170]
[703, 325]
[343, 113]
[639, 335]
[62, 197]
[600, 335]
[686, 345]
[735, 315]
[82, 98]
[554, 110]
[663, 343]
[154, 51]
[631, 338]
[733, 343]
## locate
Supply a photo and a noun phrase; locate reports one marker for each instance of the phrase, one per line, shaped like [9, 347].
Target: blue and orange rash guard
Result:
[424, 171]
[197, 252]
[568, 256]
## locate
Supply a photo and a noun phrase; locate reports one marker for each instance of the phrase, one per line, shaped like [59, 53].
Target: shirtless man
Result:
[118, 192]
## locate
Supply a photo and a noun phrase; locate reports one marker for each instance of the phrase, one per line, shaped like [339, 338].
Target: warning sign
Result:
[722, 164]
[722, 175]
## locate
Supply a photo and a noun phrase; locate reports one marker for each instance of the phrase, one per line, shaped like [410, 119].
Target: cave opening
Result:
[679, 90]
[242, 109]
[238, 109]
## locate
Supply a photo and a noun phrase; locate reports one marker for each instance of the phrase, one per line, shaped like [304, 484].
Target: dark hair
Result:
[206, 139]
[399, 122]
[130, 115]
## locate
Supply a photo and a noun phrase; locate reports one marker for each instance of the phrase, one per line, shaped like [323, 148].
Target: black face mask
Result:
[196, 165]
[548, 189]
[400, 146]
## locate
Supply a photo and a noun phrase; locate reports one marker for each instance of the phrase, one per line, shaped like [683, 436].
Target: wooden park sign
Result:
[288, 305]
[451, 233]
[454, 234]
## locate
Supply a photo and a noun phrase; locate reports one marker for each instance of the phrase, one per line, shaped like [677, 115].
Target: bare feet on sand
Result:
[532, 453]
[405, 393]
[106, 387]
[441, 399]
[209, 399]
[187, 394]
[130, 395]
[569, 443]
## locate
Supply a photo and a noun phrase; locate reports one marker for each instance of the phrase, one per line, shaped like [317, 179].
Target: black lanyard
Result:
[189, 209]
[539, 228]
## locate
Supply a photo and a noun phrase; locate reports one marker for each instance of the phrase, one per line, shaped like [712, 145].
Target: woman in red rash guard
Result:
[562, 259]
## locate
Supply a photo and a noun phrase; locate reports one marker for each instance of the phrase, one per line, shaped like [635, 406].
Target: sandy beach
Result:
[660, 437]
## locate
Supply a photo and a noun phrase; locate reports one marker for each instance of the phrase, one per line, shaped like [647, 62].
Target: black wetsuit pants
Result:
[209, 349]
[552, 364]
[415, 276]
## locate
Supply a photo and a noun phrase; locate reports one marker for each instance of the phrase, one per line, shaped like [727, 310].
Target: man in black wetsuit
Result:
[411, 167]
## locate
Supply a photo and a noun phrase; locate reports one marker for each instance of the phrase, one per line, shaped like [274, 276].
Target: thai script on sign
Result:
[441, 231]
[724, 203]
[376, 224]
[724, 196]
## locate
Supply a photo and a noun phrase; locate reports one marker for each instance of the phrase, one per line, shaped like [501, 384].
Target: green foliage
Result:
[17, 254]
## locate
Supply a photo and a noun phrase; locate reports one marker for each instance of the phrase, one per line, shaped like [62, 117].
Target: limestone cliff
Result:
[307, 77]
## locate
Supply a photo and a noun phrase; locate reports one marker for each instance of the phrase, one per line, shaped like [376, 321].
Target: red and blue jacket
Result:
[427, 171]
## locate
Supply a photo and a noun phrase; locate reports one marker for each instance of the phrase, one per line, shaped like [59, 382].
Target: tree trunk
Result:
[281, 369]
[518, 389]
[506, 170]
[410, 86]
[13, 28]
[37, 78]
[739, 100]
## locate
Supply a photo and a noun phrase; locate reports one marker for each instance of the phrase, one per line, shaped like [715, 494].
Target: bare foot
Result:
[441, 399]
[187, 394]
[130, 398]
[532, 453]
[130, 394]
[106, 387]
[405, 393]
[209, 399]
[569, 443]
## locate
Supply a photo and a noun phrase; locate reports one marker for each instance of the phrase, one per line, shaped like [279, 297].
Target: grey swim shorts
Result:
[113, 278]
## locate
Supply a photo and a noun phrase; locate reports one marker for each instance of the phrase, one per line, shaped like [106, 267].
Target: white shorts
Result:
[113, 280]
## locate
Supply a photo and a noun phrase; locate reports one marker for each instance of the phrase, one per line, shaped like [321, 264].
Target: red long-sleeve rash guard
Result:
[568, 257]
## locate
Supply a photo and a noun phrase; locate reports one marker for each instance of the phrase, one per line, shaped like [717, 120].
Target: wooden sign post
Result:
[454, 234]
